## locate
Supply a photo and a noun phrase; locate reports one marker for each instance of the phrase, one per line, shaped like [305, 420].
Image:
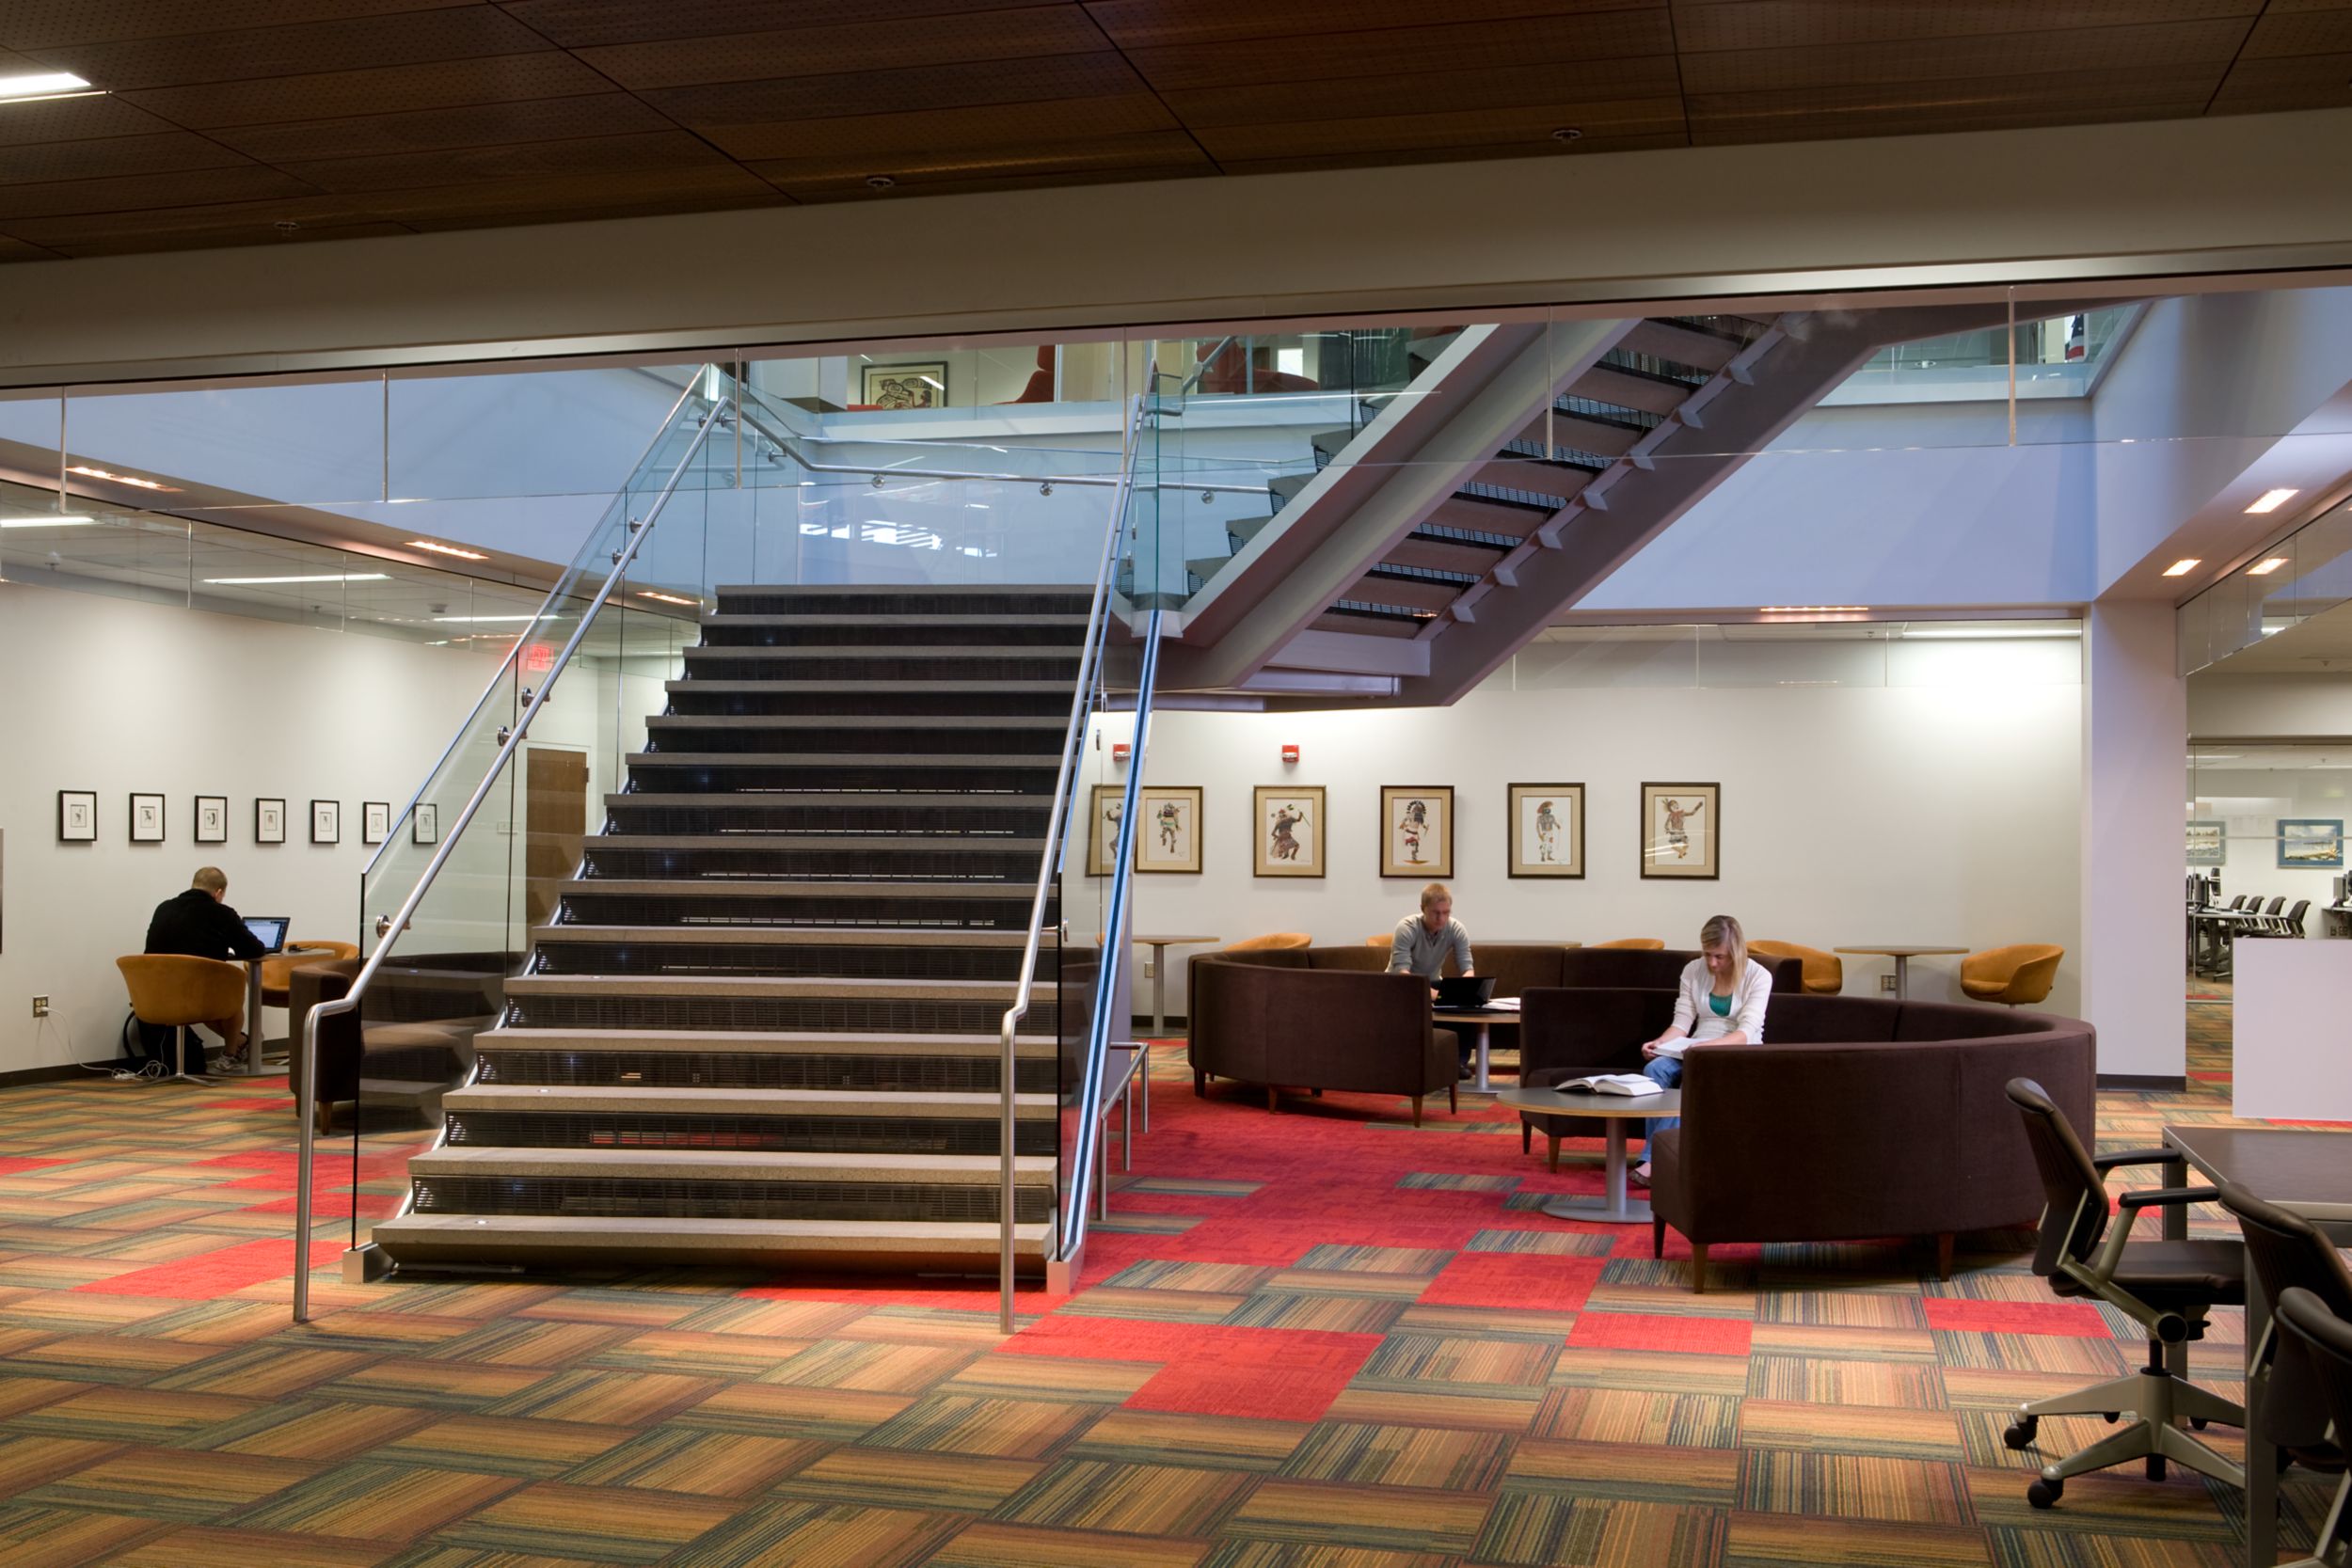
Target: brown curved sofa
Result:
[1855, 1119]
[417, 1038]
[1316, 1017]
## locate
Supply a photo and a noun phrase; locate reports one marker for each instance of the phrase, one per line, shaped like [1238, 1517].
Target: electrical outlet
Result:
[1886, 982]
[40, 1007]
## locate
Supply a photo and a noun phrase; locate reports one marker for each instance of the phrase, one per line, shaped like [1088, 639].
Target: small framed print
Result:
[211, 819]
[1169, 840]
[375, 821]
[914, 385]
[77, 816]
[1287, 824]
[1547, 830]
[2310, 843]
[2206, 844]
[327, 821]
[147, 818]
[1417, 830]
[269, 821]
[1682, 827]
[425, 823]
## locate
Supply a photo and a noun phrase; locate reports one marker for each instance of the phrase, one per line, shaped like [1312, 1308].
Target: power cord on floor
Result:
[113, 1069]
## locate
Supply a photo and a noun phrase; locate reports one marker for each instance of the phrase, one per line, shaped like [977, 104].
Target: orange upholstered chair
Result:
[1824, 973]
[276, 970]
[1272, 940]
[172, 992]
[1645, 945]
[2015, 976]
[1389, 941]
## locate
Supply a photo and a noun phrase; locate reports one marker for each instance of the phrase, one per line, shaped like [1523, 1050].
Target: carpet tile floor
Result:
[1317, 1340]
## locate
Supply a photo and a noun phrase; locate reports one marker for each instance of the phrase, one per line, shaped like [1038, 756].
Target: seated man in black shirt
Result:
[199, 924]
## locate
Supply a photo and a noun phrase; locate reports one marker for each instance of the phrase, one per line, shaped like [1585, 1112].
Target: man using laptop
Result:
[1424, 943]
[199, 924]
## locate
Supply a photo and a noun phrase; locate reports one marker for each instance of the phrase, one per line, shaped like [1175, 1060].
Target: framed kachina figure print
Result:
[147, 819]
[327, 821]
[1547, 830]
[1287, 823]
[77, 816]
[375, 821]
[1682, 827]
[1417, 830]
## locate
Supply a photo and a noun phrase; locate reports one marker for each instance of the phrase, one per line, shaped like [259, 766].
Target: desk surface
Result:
[1900, 952]
[1666, 1103]
[2303, 1171]
[1483, 1015]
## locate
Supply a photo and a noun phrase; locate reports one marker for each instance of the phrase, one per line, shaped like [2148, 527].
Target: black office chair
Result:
[2270, 916]
[2286, 1253]
[2166, 1287]
[2294, 927]
[2239, 902]
[2321, 1341]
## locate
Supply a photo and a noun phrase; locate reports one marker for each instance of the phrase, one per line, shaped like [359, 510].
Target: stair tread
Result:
[886, 650]
[856, 722]
[732, 1101]
[704, 1164]
[732, 985]
[1036, 760]
[897, 618]
[743, 688]
[760, 1041]
[511, 1229]
[916, 798]
[807, 936]
[767, 887]
[967, 842]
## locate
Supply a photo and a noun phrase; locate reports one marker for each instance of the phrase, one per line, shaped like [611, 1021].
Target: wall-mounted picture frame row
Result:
[1682, 830]
[150, 819]
[2302, 843]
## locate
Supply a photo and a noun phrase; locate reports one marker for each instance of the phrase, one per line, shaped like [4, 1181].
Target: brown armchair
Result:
[1316, 1019]
[1824, 973]
[417, 1038]
[278, 968]
[2016, 976]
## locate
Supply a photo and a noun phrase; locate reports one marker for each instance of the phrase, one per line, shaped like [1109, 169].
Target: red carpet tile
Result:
[2077, 1319]
[214, 1273]
[1514, 1279]
[12, 1166]
[1643, 1331]
[1261, 1392]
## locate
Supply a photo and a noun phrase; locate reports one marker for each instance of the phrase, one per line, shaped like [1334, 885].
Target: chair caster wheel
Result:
[2020, 1432]
[2046, 1494]
[2111, 1417]
[2155, 1466]
[2198, 1423]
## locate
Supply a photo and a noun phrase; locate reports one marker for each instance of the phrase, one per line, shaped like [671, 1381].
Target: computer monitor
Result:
[2338, 883]
[269, 930]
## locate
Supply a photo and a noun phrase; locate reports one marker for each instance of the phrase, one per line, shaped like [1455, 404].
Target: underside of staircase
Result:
[762, 1025]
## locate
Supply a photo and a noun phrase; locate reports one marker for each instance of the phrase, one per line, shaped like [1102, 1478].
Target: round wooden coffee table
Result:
[1613, 1207]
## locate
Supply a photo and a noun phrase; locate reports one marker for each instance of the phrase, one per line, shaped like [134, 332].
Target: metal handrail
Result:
[638, 530]
[1206, 361]
[391, 834]
[1081, 702]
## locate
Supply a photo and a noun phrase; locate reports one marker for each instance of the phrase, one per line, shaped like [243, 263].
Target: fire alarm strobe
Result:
[1290, 753]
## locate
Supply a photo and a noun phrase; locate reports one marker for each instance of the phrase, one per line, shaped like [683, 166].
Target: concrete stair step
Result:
[555, 1099]
[548, 1239]
[761, 1042]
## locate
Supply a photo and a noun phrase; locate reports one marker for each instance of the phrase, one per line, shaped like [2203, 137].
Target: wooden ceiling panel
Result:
[588, 24]
[1151, 149]
[2152, 94]
[133, 193]
[192, 229]
[2282, 34]
[24, 250]
[930, 41]
[1607, 35]
[463, 166]
[1369, 97]
[1703, 27]
[45, 24]
[1528, 126]
[2302, 82]
[110, 156]
[945, 130]
[2208, 46]
[410, 37]
[600, 113]
[1028, 81]
[1651, 143]
[86, 118]
[858, 191]
[385, 90]
[1160, 24]
[575, 195]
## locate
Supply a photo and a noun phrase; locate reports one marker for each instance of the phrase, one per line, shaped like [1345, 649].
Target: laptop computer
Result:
[1456, 993]
[269, 930]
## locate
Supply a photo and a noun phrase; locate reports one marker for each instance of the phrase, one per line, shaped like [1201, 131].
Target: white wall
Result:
[1931, 813]
[115, 696]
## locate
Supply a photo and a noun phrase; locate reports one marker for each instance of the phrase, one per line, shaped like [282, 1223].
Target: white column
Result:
[2135, 737]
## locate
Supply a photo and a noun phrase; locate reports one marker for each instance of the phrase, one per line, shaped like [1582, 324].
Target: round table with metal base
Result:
[1159, 946]
[1613, 1207]
[1902, 956]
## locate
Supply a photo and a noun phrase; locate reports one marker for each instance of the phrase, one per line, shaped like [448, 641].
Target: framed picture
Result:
[2206, 846]
[147, 818]
[327, 821]
[375, 821]
[211, 819]
[1682, 827]
[915, 386]
[1417, 830]
[424, 824]
[77, 816]
[269, 821]
[1287, 824]
[1170, 836]
[2310, 843]
[1547, 830]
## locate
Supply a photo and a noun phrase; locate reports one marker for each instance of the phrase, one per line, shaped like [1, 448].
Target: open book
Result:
[1611, 1083]
[1672, 1050]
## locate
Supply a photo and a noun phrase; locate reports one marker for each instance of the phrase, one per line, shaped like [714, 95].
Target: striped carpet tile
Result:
[64, 1538]
[1781, 1540]
[1209, 1442]
[1650, 1370]
[731, 1356]
[1291, 1554]
[2039, 1548]
[1538, 1527]
[375, 1502]
[701, 1463]
[869, 1366]
[1370, 1455]
[1424, 1262]
[1492, 1323]
[2123, 1501]
[1459, 1362]
[1505, 1410]
[1132, 1499]
[1550, 1243]
[595, 1524]
[960, 1424]
[898, 1478]
[606, 1399]
[1317, 1310]
[495, 1445]
[836, 1414]
[1457, 1181]
[1819, 1381]
[1061, 1379]
[1834, 1342]
[2086, 1361]
[1628, 1416]
[135, 1414]
[1845, 1309]
[168, 1483]
[1395, 1518]
[1849, 1429]
[989, 1544]
[1628, 1472]
[821, 1535]
[1854, 1486]
[434, 1384]
[1403, 1287]
[212, 1546]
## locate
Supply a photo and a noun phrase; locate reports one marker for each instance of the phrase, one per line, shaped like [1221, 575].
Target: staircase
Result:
[763, 1024]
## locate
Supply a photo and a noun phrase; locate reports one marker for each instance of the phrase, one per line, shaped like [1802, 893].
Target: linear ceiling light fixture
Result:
[1972, 634]
[446, 549]
[1814, 610]
[133, 481]
[329, 576]
[61, 519]
[2182, 567]
[486, 618]
[2263, 568]
[2272, 500]
[45, 84]
[666, 599]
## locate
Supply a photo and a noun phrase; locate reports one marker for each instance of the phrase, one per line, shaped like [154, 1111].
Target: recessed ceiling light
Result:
[61, 519]
[133, 481]
[666, 599]
[2263, 568]
[46, 83]
[880, 181]
[1568, 133]
[329, 576]
[1814, 610]
[487, 619]
[446, 549]
[2182, 567]
[2272, 500]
